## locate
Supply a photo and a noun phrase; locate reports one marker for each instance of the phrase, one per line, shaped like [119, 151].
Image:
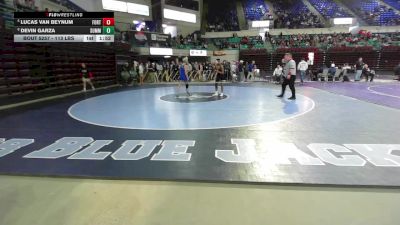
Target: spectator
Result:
[397, 71]
[246, 71]
[152, 72]
[359, 67]
[252, 67]
[125, 75]
[345, 68]
[133, 71]
[277, 75]
[368, 73]
[87, 77]
[234, 70]
[302, 67]
[193, 41]
[241, 70]
[337, 40]
[141, 73]
[159, 68]
[332, 70]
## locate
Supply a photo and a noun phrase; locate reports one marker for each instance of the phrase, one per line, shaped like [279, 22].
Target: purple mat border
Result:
[385, 95]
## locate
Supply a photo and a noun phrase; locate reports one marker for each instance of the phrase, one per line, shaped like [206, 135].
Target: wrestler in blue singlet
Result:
[182, 75]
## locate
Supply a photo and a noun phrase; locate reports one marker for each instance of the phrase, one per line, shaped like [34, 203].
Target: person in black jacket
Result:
[359, 67]
[397, 71]
[241, 70]
[367, 73]
[246, 71]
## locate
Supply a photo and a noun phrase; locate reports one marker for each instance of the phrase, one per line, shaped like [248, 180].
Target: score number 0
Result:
[108, 21]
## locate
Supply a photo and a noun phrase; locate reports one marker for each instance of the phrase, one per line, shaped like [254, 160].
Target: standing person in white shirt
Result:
[277, 75]
[233, 71]
[302, 67]
[141, 73]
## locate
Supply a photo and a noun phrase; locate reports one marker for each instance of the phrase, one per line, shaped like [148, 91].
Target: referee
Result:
[289, 72]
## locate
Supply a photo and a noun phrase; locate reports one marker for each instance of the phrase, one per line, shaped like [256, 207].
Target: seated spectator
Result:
[326, 41]
[368, 73]
[191, 41]
[343, 74]
[332, 70]
[245, 40]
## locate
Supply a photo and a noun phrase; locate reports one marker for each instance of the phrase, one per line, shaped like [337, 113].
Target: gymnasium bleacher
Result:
[7, 18]
[239, 43]
[256, 10]
[295, 15]
[326, 41]
[222, 17]
[28, 68]
[374, 12]
[394, 3]
[329, 9]
[378, 60]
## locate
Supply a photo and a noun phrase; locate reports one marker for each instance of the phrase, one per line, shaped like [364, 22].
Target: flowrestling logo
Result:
[243, 151]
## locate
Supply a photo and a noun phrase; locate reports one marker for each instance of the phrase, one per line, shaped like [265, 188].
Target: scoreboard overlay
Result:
[64, 27]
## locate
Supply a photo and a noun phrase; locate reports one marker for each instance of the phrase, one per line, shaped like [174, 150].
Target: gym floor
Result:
[229, 142]
[49, 201]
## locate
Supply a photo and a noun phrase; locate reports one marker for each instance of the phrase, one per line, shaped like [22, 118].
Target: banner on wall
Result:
[161, 51]
[219, 53]
[141, 38]
[194, 52]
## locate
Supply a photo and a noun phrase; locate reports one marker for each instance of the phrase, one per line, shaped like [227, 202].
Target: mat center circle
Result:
[163, 108]
[193, 97]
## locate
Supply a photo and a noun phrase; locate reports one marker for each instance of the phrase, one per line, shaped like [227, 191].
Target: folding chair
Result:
[208, 75]
[197, 75]
[175, 76]
[267, 78]
[323, 75]
[212, 75]
[191, 75]
[337, 75]
[165, 76]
